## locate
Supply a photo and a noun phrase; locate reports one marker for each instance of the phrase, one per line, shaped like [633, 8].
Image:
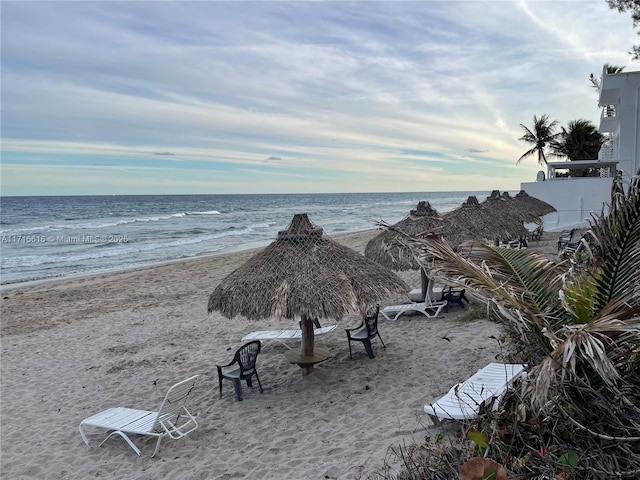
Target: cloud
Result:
[345, 88]
[475, 150]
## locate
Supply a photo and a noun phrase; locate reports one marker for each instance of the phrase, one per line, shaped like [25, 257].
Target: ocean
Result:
[57, 237]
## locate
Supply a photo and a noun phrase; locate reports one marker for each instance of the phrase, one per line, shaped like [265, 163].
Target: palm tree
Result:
[541, 138]
[577, 324]
[579, 141]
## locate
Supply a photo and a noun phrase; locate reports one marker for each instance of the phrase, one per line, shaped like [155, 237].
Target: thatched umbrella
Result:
[385, 248]
[304, 275]
[506, 205]
[532, 204]
[483, 223]
[388, 249]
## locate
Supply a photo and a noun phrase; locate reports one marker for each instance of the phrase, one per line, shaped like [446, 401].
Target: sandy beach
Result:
[72, 348]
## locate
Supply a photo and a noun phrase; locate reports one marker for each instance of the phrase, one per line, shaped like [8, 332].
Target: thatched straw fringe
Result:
[522, 207]
[532, 204]
[487, 222]
[384, 250]
[505, 206]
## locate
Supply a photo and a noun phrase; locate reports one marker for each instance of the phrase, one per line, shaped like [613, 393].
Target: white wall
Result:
[574, 200]
[627, 116]
[629, 148]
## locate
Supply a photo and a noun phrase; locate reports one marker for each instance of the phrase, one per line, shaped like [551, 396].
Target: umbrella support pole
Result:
[308, 355]
[308, 342]
[424, 282]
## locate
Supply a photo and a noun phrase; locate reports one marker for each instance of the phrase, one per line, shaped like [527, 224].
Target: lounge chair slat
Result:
[462, 401]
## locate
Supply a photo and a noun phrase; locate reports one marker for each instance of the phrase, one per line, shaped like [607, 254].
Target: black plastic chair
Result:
[572, 249]
[537, 233]
[245, 358]
[364, 332]
[565, 238]
[455, 295]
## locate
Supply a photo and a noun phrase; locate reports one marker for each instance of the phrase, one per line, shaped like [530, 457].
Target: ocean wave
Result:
[262, 225]
[100, 224]
[165, 228]
[208, 212]
[27, 261]
[125, 250]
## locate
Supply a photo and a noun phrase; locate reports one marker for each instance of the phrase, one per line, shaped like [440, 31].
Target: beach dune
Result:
[71, 348]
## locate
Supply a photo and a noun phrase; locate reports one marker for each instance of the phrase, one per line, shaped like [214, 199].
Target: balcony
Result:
[577, 189]
[579, 169]
[609, 121]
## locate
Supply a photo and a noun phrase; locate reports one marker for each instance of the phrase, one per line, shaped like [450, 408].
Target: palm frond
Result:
[617, 247]
[581, 324]
[517, 278]
[600, 347]
[526, 154]
[611, 282]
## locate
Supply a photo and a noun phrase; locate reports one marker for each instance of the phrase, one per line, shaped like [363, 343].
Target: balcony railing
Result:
[609, 111]
[608, 152]
[581, 169]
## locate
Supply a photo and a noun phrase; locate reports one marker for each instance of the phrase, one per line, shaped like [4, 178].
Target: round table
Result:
[320, 354]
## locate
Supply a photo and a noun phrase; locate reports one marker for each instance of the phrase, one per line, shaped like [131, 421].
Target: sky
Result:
[162, 97]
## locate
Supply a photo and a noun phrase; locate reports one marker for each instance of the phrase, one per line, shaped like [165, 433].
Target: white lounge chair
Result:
[415, 295]
[428, 307]
[438, 290]
[282, 336]
[432, 289]
[463, 401]
[172, 420]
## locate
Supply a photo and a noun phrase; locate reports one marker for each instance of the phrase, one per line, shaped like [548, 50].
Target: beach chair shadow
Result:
[172, 419]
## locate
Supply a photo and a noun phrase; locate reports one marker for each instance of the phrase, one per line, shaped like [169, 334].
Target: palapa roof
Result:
[498, 218]
[533, 204]
[386, 249]
[484, 223]
[304, 274]
[505, 205]
[523, 207]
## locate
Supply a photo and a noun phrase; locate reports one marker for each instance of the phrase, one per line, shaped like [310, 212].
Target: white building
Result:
[576, 197]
